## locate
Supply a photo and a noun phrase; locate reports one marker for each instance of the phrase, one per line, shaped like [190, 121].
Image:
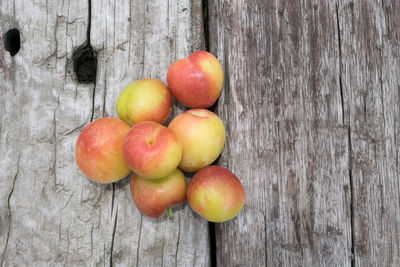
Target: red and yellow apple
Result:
[144, 100]
[98, 150]
[152, 150]
[202, 135]
[196, 81]
[154, 197]
[216, 194]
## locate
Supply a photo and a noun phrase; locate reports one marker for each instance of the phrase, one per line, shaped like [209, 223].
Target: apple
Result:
[154, 197]
[202, 135]
[145, 100]
[152, 150]
[216, 194]
[196, 81]
[98, 150]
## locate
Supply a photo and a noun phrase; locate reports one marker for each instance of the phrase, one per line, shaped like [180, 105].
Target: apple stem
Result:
[171, 216]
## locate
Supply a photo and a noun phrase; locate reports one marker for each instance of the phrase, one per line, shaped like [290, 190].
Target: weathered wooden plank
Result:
[370, 35]
[50, 213]
[49, 205]
[140, 39]
[287, 139]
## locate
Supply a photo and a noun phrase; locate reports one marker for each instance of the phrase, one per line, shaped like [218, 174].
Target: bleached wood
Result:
[50, 215]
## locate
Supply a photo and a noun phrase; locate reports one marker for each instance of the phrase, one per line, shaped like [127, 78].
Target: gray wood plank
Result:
[49, 213]
[287, 138]
[370, 36]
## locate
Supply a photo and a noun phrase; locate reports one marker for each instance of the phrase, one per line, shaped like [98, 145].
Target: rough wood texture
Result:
[311, 106]
[49, 213]
[370, 46]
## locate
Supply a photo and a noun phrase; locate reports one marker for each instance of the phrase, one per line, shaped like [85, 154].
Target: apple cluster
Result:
[108, 149]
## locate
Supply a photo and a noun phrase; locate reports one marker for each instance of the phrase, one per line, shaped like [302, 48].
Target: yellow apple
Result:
[202, 135]
[216, 194]
[145, 100]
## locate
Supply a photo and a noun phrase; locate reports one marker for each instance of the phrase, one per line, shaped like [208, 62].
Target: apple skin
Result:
[196, 81]
[202, 135]
[216, 194]
[152, 150]
[98, 150]
[145, 100]
[154, 197]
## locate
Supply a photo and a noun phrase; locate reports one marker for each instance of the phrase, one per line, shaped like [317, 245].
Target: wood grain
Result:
[311, 103]
[370, 36]
[50, 214]
[287, 139]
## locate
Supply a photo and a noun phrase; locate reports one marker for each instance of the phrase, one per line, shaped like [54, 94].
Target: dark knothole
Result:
[85, 64]
[12, 41]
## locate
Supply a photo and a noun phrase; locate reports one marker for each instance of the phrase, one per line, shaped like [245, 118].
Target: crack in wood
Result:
[144, 38]
[113, 237]
[213, 244]
[266, 240]
[9, 210]
[104, 95]
[55, 142]
[340, 60]
[138, 244]
[112, 198]
[93, 102]
[162, 253]
[348, 134]
[68, 244]
[91, 242]
[85, 58]
[177, 242]
[351, 182]
[381, 87]
[211, 225]
[89, 26]
[205, 25]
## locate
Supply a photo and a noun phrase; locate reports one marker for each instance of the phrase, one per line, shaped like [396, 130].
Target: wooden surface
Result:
[50, 214]
[311, 104]
[370, 42]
